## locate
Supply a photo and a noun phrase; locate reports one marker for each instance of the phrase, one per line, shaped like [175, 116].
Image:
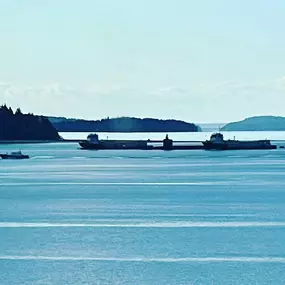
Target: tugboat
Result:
[14, 155]
[217, 142]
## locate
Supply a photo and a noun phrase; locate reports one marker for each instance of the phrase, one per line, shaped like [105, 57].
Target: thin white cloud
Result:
[222, 101]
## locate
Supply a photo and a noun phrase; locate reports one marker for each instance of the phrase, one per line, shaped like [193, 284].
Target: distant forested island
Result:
[122, 125]
[260, 123]
[19, 126]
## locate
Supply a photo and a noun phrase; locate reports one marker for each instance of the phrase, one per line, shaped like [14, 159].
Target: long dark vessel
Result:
[93, 142]
[217, 142]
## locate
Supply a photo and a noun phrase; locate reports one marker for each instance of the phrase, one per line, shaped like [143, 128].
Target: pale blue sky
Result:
[200, 61]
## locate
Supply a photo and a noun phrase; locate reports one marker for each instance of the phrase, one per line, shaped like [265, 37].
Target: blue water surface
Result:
[71, 216]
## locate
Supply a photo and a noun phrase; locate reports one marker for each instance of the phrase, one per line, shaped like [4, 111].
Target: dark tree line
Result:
[123, 124]
[19, 126]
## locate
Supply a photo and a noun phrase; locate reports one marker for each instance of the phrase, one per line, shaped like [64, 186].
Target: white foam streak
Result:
[111, 183]
[144, 225]
[145, 259]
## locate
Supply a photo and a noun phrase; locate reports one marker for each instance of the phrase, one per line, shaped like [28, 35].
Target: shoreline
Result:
[38, 141]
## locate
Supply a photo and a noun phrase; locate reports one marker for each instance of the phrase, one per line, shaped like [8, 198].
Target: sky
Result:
[200, 61]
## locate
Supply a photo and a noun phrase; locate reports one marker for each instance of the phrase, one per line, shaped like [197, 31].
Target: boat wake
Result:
[43, 157]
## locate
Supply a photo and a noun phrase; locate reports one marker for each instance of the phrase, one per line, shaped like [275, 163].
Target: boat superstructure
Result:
[14, 155]
[217, 142]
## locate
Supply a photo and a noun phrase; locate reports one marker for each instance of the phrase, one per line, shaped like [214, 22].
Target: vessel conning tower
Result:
[217, 138]
[93, 138]
[167, 143]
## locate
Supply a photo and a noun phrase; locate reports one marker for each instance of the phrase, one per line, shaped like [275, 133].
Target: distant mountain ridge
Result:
[258, 123]
[122, 124]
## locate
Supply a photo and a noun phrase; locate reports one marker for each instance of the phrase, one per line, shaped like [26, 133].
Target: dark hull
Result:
[241, 146]
[179, 147]
[121, 146]
[8, 156]
[87, 145]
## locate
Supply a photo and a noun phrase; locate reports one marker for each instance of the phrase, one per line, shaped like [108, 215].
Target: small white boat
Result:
[14, 155]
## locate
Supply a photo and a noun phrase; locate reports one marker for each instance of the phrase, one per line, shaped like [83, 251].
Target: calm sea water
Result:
[199, 136]
[71, 216]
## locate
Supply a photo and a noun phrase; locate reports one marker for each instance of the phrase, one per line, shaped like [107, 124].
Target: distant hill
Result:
[18, 126]
[122, 125]
[261, 123]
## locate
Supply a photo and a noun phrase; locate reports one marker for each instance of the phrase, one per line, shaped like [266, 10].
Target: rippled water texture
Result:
[70, 216]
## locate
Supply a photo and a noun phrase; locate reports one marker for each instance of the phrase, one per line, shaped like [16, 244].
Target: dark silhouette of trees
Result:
[123, 124]
[18, 112]
[21, 126]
